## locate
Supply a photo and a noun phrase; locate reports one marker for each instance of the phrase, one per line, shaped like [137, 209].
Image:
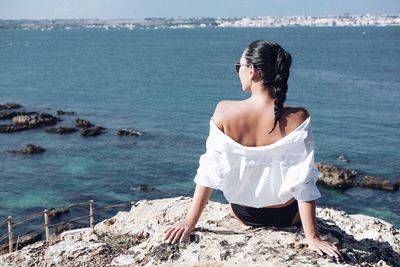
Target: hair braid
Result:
[282, 65]
[274, 63]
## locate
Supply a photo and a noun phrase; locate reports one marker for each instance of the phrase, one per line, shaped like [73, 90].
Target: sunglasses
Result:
[238, 65]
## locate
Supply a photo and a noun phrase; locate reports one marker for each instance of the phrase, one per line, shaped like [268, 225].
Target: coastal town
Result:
[345, 20]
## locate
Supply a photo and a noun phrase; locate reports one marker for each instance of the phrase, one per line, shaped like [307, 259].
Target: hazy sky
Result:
[47, 9]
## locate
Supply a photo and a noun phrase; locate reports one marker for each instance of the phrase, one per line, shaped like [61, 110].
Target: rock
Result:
[32, 149]
[25, 121]
[94, 131]
[67, 226]
[57, 212]
[135, 238]
[22, 241]
[11, 128]
[44, 119]
[143, 188]
[7, 115]
[22, 119]
[128, 132]
[61, 130]
[388, 185]
[378, 183]
[60, 112]
[334, 176]
[29, 149]
[83, 123]
[10, 106]
[343, 158]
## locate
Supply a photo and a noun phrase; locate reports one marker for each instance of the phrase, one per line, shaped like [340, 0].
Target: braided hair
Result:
[274, 63]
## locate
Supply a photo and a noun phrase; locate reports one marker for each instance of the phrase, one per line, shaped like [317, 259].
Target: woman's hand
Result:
[178, 232]
[324, 247]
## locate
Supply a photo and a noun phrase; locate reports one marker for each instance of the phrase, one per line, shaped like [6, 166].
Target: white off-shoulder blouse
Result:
[264, 175]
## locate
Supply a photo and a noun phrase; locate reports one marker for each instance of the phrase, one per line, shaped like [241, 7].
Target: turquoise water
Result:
[166, 83]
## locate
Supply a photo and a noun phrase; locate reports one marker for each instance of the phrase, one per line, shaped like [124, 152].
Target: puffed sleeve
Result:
[212, 163]
[209, 172]
[307, 190]
[301, 176]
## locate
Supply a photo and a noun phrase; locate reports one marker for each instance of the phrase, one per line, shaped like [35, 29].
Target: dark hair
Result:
[274, 63]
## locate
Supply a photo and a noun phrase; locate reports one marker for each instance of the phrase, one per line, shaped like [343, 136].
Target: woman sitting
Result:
[260, 153]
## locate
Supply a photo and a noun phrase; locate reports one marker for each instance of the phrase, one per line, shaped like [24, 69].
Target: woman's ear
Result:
[255, 74]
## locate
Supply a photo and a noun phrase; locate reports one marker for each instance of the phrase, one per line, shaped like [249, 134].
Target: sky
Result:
[108, 9]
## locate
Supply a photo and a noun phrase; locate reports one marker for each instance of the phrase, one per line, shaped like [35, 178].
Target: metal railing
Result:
[12, 242]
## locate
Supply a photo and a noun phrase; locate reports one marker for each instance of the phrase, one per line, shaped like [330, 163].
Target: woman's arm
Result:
[309, 222]
[180, 230]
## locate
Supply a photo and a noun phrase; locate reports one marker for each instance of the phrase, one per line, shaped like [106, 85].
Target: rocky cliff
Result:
[135, 239]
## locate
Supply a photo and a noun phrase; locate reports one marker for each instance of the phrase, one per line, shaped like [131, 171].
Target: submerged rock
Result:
[10, 106]
[60, 112]
[135, 238]
[11, 128]
[61, 130]
[57, 212]
[93, 131]
[29, 149]
[83, 123]
[142, 188]
[128, 132]
[343, 158]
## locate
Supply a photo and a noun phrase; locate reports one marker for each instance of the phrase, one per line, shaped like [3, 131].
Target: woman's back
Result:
[248, 121]
[247, 158]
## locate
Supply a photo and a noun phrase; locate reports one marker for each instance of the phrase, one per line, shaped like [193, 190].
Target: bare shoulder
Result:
[295, 115]
[223, 110]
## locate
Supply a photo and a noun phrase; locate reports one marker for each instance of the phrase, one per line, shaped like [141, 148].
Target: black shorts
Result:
[262, 217]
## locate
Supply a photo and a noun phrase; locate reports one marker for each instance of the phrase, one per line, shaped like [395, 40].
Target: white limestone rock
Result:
[134, 238]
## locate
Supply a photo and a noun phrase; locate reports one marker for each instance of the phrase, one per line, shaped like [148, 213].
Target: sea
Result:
[165, 83]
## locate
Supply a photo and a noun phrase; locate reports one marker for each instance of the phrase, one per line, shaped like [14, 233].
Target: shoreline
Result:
[345, 20]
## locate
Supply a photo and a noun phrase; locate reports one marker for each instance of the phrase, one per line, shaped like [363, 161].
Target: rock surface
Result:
[92, 131]
[135, 239]
[128, 132]
[30, 149]
[10, 106]
[80, 123]
[7, 115]
[88, 128]
[26, 120]
[334, 176]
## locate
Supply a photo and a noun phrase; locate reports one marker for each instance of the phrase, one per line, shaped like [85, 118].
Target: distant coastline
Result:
[345, 20]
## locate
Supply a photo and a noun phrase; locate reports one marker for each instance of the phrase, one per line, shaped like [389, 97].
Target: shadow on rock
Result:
[358, 251]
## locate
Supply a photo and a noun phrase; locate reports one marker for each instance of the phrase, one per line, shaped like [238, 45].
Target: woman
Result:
[267, 176]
